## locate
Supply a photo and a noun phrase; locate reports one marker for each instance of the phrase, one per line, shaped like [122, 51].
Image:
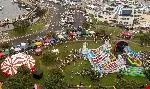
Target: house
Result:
[126, 17]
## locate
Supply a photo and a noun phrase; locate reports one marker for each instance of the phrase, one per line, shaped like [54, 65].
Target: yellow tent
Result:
[0, 85]
[114, 87]
[38, 43]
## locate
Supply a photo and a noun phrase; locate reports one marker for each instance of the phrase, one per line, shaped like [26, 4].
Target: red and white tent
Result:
[29, 61]
[10, 65]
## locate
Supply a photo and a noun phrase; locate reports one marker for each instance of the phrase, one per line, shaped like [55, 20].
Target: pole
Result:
[133, 7]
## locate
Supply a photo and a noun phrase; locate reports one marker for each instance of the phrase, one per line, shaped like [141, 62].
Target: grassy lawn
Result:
[98, 25]
[73, 45]
[78, 65]
[63, 53]
[136, 47]
[113, 31]
[36, 27]
[106, 80]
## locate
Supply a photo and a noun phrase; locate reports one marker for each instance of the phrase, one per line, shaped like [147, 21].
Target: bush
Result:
[21, 80]
[54, 80]
[48, 58]
[92, 74]
[40, 12]
[147, 74]
[21, 25]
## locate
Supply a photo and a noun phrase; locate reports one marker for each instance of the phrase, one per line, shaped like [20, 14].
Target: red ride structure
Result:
[119, 46]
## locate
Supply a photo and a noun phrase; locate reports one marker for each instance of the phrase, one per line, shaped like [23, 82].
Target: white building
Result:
[126, 17]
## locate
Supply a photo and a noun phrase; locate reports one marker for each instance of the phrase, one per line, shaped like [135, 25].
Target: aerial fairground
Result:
[74, 44]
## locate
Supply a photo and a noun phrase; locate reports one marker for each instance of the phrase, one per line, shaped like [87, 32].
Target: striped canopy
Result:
[10, 65]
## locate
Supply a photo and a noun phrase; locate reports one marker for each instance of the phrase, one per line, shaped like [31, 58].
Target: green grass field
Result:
[105, 81]
[35, 27]
[78, 65]
[137, 47]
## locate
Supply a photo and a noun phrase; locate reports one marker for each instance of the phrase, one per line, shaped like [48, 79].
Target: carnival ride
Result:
[133, 58]
[135, 71]
[104, 61]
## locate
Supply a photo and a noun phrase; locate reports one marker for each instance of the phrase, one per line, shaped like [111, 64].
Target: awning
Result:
[2, 55]
[38, 43]
[126, 33]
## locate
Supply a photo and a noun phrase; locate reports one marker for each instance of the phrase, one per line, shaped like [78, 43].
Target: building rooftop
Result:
[126, 13]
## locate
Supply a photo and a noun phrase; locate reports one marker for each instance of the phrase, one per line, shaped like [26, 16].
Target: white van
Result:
[42, 1]
[57, 1]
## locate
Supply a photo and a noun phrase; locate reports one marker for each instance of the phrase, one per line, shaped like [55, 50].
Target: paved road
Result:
[54, 23]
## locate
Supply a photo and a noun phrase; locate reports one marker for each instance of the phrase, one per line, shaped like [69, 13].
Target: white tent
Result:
[17, 49]
[23, 45]
[92, 32]
[55, 51]
[60, 37]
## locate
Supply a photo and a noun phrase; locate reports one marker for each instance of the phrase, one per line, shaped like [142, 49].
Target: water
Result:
[10, 10]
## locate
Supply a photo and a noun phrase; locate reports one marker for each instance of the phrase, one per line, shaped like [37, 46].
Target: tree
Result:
[54, 80]
[102, 34]
[21, 26]
[86, 25]
[21, 80]
[40, 12]
[105, 23]
[147, 73]
[29, 41]
[83, 32]
[126, 84]
[92, 74]
[48, 58]
[144, 38]
[119, 76]
[5, 45]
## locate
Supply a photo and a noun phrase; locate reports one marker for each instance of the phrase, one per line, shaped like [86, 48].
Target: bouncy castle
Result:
[106, 62]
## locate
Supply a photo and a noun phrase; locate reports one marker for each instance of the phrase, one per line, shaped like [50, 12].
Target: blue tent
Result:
[53, 40]
[78, 33]
[90, 55]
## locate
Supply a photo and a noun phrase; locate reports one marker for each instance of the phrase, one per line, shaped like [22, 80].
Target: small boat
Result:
[47, 4]
[1, 7]
[23, 5]
[28, 8]
[14, 1]
[42, 1]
